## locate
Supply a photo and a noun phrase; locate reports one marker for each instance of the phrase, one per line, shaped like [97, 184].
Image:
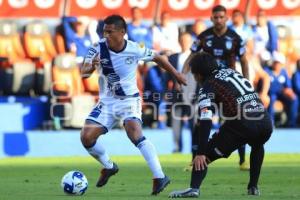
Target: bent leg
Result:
[256, 160]
[221, 145]
[134, 132]
[89, 135]
[242, 152]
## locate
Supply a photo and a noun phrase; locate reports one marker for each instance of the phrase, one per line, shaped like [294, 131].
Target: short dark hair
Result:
[219, 8]
[237, 11]
[203, 63]
[117, 20]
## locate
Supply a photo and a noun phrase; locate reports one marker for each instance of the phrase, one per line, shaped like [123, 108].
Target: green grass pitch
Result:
[39, 178]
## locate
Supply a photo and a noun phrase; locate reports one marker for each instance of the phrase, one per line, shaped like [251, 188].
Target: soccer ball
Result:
[74, 183]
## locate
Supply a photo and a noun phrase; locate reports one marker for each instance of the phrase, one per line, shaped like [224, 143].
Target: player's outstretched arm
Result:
[165, 64]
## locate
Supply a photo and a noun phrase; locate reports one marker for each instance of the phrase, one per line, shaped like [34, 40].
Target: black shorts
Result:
[234, 134]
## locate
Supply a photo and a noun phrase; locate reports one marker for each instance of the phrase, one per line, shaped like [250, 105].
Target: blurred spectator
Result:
[197, 28]
[241, 28]
[93, 30]
[182, 109]
[137, 31]
[281, 89]
[287, 46]
[296, 84]
[265, 35]
[154, 92]
[257, 75]
[165, 35]
[77, 39]
[99, 29]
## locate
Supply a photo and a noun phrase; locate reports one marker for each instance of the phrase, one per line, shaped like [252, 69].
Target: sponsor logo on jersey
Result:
[204, 103]
[228, 44]
[247, 97]
[218, 52]
[206, 114]
[129, 60]
[104, 61]
[253, 103]
[209, 43]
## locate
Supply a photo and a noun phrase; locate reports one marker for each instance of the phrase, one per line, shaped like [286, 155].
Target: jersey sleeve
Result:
[206, 109]
[93, 52]
[144, 53]
[206, 104]
[196, 46]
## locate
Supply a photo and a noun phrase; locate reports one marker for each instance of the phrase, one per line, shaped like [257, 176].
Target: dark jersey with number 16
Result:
[232, 96]
[229, 94]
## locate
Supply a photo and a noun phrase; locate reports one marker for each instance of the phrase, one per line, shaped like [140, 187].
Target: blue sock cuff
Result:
[136, 143]
[90, 146]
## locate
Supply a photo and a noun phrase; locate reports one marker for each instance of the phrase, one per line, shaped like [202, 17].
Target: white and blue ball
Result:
[74, 183]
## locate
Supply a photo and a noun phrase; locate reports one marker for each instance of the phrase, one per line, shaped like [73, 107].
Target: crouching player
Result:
[245, 121]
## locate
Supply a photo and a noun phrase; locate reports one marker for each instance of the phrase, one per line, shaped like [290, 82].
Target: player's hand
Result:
[180, 78]
[265, 99]
[177, 87]
[200, 162]
[96, 60]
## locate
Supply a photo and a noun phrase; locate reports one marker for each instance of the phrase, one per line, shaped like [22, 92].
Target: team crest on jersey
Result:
[209, 43]
[129, 60]
[141, 44]
[228, 44]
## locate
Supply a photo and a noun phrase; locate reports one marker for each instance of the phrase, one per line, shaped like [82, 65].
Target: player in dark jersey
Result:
[246, 121]
[226, 46]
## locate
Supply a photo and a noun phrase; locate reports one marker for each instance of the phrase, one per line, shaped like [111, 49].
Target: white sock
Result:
[148, 151]
[98, 152]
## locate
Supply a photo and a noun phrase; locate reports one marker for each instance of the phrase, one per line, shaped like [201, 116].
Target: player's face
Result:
[137, 14]
[237, 18]
[219, 20]
[113, 35]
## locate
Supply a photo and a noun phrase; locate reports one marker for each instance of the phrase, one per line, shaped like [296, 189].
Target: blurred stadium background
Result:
[44, 101]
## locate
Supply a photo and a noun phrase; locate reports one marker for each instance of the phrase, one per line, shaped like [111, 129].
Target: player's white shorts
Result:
[109, 110]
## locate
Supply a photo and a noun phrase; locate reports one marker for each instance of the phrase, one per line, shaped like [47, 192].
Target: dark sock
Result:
[256, 160]
[197, 178]
[241, 151]
[195, 136]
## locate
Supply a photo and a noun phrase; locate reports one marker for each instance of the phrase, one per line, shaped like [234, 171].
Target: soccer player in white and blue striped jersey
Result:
[118, 59]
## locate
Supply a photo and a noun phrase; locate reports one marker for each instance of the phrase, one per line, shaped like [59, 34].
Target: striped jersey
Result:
[119, 68]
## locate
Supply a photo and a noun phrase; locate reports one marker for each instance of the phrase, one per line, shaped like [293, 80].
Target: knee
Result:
[87, 138]
[215, 153]
[134, 132]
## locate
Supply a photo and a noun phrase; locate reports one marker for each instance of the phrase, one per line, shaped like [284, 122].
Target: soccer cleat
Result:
[159, 184]
[244, 166]
[253, 191]
[187, 193]
[106, 174]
